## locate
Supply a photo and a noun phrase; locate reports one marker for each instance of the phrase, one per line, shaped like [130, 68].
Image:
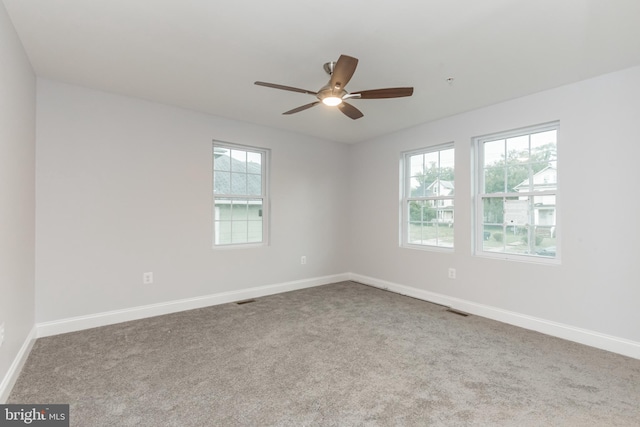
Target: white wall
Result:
[597, 285]
[124, 186]
[17, 195]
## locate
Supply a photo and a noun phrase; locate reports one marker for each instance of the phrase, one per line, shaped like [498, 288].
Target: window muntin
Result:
[428, 197]
[239, 194]
[516, 201]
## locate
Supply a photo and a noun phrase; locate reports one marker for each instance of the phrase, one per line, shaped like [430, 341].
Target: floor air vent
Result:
[459, 313]
[247, 301]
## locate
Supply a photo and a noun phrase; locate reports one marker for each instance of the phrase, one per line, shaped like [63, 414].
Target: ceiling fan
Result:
[334, 92]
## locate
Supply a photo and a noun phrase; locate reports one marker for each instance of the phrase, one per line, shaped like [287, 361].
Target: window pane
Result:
[521, 233]
[444, 213]
[517, 177]
[238, 221]
[544, 210]
[543, 146]
[254, 185]
[415, 211]
[545, 243]
[431, 222]
[431, 233]
[545, 177]
[431, 160]
[439, 230]
[239, 232]
[493, 238]
[417, 177]
[516, 239]
[415, 233]
[238, 183]
[239, 210]
[221, 160]
[493, 210]
[254, 162]
[444, 234]
[238, 161]
[254, 211]
[222, 209]
[221, 182]
[494, 181]
[518, 149]
[421, 211]
[506, 239]
[494, 153]
[222, 232]
[517, 211]
[416, 165]
[254, 232]
[447, 163]
[417, 186]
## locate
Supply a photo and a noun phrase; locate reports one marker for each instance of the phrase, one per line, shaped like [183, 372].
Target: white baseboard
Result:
[117, 316]
[14, 370]
[583, 336]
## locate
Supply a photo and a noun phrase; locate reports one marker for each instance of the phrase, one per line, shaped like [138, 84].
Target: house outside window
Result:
[516, 198]
[428, 198]
[240, 203]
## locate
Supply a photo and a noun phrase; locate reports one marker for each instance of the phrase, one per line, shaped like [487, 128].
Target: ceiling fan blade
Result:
[392, 92]
[292, 89]
[301, 108]
[350, 111]
[343, 71]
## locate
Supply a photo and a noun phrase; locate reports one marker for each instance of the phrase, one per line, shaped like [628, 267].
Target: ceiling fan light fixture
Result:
[332, 101]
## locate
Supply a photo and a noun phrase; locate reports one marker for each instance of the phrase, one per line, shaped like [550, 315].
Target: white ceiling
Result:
[205, 55]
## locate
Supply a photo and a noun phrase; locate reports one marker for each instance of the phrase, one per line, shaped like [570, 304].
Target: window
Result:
[428, 197]
[240, 203]
[517, 193]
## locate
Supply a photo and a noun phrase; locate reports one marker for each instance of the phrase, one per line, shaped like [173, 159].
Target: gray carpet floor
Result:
[343, 354]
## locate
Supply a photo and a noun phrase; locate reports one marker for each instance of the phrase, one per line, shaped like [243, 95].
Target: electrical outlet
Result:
[147, 278]
[303, 260]
[452, 273]
[1, 333]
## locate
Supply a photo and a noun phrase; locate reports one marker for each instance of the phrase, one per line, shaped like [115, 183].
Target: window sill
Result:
[519, 258]
[428, 248]
[239, 246]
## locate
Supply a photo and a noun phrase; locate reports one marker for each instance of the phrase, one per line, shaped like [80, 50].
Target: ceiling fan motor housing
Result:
[327, 91]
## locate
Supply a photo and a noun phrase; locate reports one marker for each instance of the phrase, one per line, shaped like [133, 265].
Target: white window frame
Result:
[406, 198]
[263, 197]
[479, 196]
